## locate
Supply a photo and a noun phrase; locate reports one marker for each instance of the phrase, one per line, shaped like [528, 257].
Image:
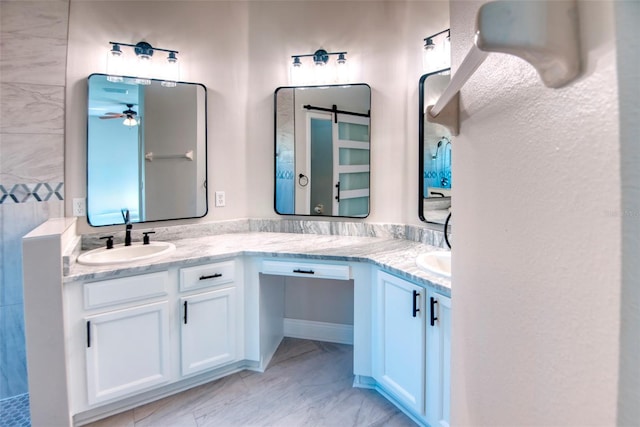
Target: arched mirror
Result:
[434, 153]
[146, 150]
[322, 148]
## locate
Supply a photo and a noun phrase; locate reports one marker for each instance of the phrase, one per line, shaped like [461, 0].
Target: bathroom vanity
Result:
[126, 334]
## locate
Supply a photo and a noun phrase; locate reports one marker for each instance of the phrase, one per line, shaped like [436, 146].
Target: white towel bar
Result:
[150, 156]
[543, 33]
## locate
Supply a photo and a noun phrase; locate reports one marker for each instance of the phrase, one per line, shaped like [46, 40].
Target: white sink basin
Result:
[438, 262]
[120, 254]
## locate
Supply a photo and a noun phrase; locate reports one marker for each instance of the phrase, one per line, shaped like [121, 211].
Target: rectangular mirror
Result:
[434, 153]
[146, 150]
[322, 146]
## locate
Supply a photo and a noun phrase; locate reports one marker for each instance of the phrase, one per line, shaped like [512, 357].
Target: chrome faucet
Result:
[128, 226]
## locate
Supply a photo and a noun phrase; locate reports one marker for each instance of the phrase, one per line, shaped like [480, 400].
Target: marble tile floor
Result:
[308, 383]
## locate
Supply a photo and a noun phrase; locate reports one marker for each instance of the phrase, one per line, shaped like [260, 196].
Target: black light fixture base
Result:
[143, 48]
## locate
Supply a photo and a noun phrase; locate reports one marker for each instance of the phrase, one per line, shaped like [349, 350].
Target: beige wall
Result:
[241, 52]
[537, 248]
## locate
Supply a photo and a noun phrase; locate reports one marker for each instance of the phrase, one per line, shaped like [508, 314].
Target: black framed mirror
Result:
[322, 150]
[146, 150]
[434, 153]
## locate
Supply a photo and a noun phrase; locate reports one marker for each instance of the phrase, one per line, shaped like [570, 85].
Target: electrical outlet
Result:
[79, 207]
[220, 199]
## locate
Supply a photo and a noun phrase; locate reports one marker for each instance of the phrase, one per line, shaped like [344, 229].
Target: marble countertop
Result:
[396, 256]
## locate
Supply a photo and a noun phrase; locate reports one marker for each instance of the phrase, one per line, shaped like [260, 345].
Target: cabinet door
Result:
[208, 332]
[399, 334]
[127, 351]
[438, 360]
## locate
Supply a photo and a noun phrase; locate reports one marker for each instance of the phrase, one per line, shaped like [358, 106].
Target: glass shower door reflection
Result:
[351, 155]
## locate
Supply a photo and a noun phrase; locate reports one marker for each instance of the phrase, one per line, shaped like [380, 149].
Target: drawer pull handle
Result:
[433, 311]
[416, 294]
[185, 312]
[304, 271]
[212, 276]
[88, 334]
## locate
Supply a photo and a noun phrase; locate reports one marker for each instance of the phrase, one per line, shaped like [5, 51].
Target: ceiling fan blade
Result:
[112, 116]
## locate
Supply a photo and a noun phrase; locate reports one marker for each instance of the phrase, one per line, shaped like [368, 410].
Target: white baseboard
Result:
[319, 331]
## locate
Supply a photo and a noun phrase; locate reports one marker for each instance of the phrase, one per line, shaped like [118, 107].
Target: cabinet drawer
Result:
[125, 289]
[306, 269]
[204, 276]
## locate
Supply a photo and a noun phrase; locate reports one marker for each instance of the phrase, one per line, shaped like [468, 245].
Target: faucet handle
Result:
[145, 239]
[109, 241]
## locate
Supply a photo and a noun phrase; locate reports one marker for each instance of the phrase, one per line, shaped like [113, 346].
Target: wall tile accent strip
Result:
[25, 193]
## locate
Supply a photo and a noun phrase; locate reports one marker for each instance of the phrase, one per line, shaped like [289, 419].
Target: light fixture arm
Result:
[143, 48]
[144, 53]
[432, 36]
[320, 53]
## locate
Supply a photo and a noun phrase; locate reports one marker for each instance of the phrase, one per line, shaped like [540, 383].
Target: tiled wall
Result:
[33, 40]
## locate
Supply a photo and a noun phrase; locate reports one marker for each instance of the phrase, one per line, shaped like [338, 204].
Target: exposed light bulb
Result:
[446, 52]
[321, 73]
[296, 72]
[144, 66]
[342, 69]
[130, 121]
[172, 71]
[428, 55]
[114, 64]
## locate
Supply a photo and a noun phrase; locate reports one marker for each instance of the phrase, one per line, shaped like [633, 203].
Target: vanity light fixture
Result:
[143, 67]
[436, 52]
[323, 72]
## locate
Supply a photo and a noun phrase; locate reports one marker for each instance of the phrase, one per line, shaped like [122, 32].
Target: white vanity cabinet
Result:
[411, 347]
[140, 337]
[438, 359]
[209, 319]
[399, 340]
[127, 347]
[127, 351]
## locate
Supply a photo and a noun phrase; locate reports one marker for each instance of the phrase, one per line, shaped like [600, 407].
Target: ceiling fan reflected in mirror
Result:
[129, 116]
